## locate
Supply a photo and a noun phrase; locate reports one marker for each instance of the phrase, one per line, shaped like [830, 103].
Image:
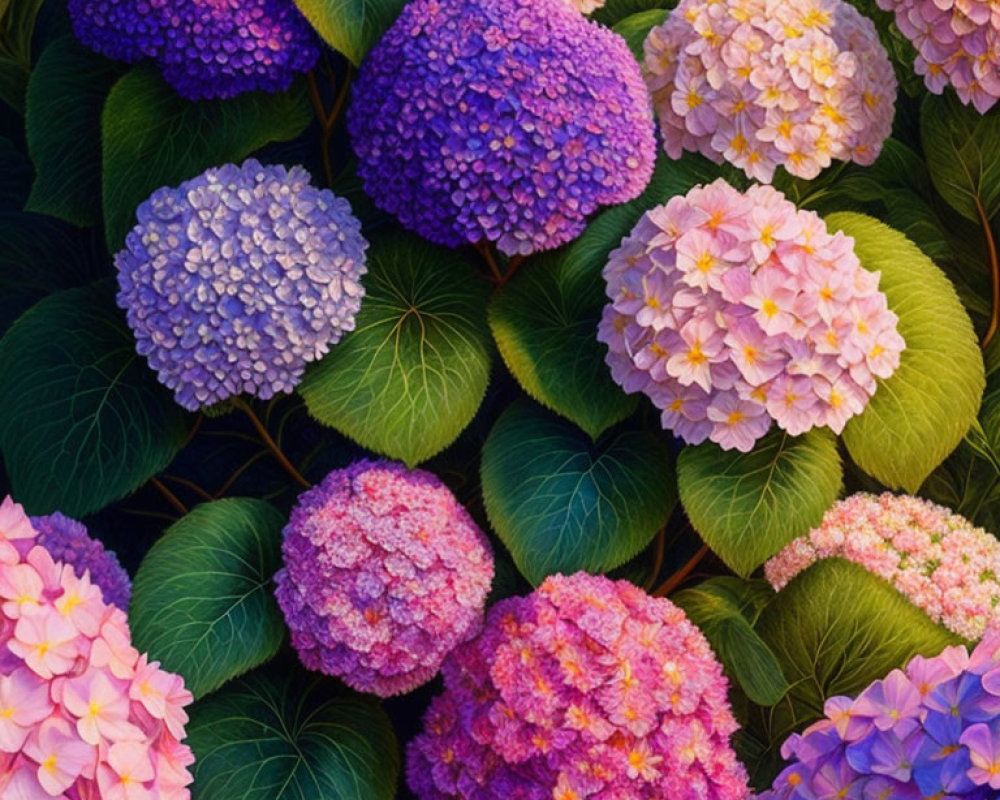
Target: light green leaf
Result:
[747, 506]
[636, 27]
[351, 27]
[562, 503]
[920, 414]
[203, 599]
[411, 376]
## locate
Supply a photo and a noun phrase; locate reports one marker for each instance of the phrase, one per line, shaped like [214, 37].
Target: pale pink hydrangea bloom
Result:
[936, 558]
[585, 6]
[731, 310]
[82, 715]
[762, 83]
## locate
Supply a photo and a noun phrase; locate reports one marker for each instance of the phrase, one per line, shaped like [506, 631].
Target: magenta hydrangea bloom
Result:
[730, 310]
[500, 120]
[68, 541]
[586, 688]
[236, 279]
[938, 559]
[205, 49]
[763, 83]
[385, 573]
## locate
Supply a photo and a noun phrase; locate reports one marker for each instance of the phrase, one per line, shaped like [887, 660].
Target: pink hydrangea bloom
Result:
[731, 310]
[762, 83]
[385, 572]
[936, 558]
[585, 6]
[958, 43]
[82, 715]
[586, 688]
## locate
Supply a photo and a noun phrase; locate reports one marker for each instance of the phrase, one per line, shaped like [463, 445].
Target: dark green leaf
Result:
[636, 27]
[351, 27]
[17, 26]
[613, 11]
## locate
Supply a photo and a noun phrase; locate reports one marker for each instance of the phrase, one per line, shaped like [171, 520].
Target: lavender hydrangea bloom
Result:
[236, 279]
[68, 541]
[205, 50]
[500, 120]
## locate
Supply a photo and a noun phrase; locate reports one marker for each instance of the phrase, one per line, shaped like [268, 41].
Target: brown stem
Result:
[483, 246]
[338, 104]
[194, 487]
[661, 546]
[236, 475]
[513, 264]
[169, 495]
[240, 403]
[316, 98]
[991, 252]
[678, 577]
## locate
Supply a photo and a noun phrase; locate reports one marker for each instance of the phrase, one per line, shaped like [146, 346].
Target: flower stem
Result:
[483, 246]
[991, 252]
[240, 403]
[236, 475]
[194, 487]
[678, 577]
[169, 495]
[661, 546]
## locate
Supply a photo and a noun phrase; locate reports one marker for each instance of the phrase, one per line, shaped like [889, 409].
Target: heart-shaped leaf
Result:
[351, 27]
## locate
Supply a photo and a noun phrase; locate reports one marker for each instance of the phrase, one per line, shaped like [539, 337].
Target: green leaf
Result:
[203, 601]
[283, 734]
[725, 610]
[351, 27]
[920, 414]
[636, 27]
[66, 147]
[409, 379]
[747, 506]
[17, 27]
[613, 11]
[562, 503]
[83, 421]
[152, 137]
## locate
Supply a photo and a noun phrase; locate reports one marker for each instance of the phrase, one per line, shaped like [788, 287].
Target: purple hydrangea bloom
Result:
[500, 120]
[68, 541]
[236, 279]
[205, 49]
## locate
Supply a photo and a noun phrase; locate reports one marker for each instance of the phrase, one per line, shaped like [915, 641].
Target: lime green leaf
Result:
[747, 506]
[920, 414]
[613, 11]
[83, 421]
[636, 27]
[351, 27]
[152, 137]
[562, 503]
[409, 379]
[282, 734]
[203, 601]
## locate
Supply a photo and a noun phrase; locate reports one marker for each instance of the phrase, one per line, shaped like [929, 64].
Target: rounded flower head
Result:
[68, 541]
[936, 558]
[385, 573]
[585, 688]
[238, 278]
[205, 49]
[731, 310]
[763, 83]
[501, 120]
[82, 713]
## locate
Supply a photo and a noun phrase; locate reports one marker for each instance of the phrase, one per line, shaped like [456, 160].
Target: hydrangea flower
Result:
[931, 731]
[586, 688]
[958, 43]
[731, 310]
[936, 558]
[385, 573]
[500, 120]
[68, 541]
[767, 83]
[205, 49]
[82, 713]
[236, 279]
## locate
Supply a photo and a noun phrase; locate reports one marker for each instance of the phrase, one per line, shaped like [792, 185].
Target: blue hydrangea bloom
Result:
[500, 120]
[235, 280]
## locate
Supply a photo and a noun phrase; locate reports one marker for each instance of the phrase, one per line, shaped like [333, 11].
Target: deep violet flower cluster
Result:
[763, 83]
[204, 49]
[68, 542]
[587, 688]
[729, 310]
[83, 716]
[958, 43]
[936, 558]
[236, 279]
[500, 120]
[931, 731]
[385, 573]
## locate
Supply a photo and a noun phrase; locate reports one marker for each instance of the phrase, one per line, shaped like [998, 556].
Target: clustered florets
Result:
[501, 120]
[936, 558]
[205, 49]
[932, 731]
[763, 83]
[385, 572]
[587, 688]
[82, 713]
[238, 278]
[729, 310]
[958, 43]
